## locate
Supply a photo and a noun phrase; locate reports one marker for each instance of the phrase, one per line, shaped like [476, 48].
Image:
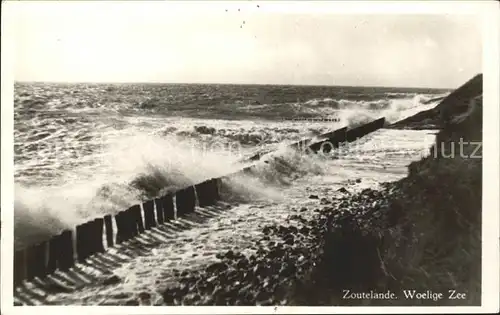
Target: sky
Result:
[241, 43]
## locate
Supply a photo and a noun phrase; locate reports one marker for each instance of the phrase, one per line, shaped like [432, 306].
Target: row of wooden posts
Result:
[64, 250]
[334, 139]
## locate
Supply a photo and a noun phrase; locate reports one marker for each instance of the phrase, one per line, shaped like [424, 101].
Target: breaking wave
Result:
[82, 152]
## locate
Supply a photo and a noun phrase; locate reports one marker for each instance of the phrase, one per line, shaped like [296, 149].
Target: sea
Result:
[84, 150]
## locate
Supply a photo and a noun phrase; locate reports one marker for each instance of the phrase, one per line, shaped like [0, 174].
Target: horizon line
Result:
[249, 84]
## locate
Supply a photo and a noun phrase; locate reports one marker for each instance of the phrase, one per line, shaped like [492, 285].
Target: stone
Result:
[220, 266]
[144, 296]
[168, 298]
[229, 255]
[343, 190]
[111, 280]
[131, 302]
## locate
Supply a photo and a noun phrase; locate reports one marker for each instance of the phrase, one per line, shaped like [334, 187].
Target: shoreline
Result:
[402, 238]
[392, 237]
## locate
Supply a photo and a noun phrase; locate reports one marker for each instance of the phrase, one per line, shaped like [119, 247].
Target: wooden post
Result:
[125, 220]
[191, 198]
[128, 225]
[202, 194]
[120, 227]
[109, 230]
[138, 218]
[42, 249]
[91, 238]
[83, 241]
[99, 222]
[159, 211]
[54, 253]
[36, 260]
[31, 261]
[19, 266]
[131, 222]
[216, 185]
[66, 247]
[206, 193]
[168, 207]
[185, 201]
[149, 214]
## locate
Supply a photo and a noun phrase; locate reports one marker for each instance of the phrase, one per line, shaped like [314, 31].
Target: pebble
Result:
[133, 302]
[285, 255]
[111, 280]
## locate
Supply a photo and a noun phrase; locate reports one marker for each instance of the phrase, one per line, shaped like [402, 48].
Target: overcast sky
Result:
[116, 42]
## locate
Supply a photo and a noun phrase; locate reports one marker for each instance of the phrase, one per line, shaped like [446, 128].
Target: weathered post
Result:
[149, 214]
[109, 230]
[138, 218]
[54, 253]
[167, 202]
[99, 227]
[36, 260]
[66, 260]
[159, 211]
[83, 241]
[19, 266]
[185, 201]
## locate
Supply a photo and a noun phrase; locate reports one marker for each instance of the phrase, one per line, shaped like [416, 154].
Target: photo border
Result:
[489, 11]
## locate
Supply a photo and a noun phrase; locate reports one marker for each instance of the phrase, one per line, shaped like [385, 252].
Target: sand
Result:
[174, 256]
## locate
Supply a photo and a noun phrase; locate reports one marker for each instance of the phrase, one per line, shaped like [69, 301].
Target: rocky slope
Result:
[427, 235]
[421, 233]
[439, 117]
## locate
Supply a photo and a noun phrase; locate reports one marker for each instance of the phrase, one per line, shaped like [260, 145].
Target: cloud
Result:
[105, 42]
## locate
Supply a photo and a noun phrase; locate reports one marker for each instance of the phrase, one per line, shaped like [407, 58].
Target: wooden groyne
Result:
[333, 139]
[63, 251]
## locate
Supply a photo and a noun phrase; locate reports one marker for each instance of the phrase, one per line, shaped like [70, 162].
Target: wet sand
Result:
[175, 256]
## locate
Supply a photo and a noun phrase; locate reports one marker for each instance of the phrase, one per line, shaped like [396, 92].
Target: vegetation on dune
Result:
[426, 236]
[420, 233]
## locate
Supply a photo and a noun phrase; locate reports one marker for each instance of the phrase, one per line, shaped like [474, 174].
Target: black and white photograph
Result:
[280, 154]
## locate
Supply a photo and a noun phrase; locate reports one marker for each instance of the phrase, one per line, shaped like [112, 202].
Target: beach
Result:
[292, 157]
[86, 150]
[285, 196]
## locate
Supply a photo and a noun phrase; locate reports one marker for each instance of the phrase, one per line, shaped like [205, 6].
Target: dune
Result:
[420, 232]
[452, 105]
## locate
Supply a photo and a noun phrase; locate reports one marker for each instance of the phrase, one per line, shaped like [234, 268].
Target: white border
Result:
[489, 10]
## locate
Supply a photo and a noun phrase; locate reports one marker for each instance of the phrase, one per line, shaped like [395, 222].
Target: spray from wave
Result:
[266, 179]
[140, 157]
[134, 169]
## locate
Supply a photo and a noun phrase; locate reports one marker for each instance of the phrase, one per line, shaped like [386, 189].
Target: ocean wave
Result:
[82, 151]
[141, 169]
[228, 102]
